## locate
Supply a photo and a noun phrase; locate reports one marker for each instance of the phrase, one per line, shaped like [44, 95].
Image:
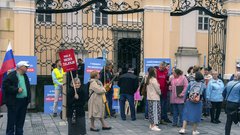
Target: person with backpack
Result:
[193, 106]
[75, 108]
[214, 95]
[231, 95]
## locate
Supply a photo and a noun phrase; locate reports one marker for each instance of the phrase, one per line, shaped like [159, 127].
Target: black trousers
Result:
[215, 110]
[230, 108]
[79, 128]
[16, 117]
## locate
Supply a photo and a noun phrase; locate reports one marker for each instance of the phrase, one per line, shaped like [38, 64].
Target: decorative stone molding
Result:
[187, 51]
[25, 0]
[231, 1]
[233, 12]
[6, 4]
[25, 10]
[152, 8]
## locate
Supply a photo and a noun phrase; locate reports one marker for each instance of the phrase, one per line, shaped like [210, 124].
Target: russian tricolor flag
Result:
[8, 63]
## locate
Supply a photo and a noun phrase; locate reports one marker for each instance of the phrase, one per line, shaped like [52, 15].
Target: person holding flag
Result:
[17, 93]
[7, 64]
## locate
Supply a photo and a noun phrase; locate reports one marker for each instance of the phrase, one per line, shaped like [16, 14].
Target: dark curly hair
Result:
[198, 76]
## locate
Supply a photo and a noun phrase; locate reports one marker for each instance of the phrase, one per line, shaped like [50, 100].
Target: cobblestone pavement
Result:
[44, 124]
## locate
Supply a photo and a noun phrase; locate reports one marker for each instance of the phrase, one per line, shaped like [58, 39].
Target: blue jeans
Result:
[146, 108]
[177, 112]
[130, 99]
[109, 96]
[164, 108]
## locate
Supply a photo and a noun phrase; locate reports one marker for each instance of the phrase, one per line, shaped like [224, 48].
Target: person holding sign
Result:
[96, 102]
[178, 87]
[57, 77]
[75, 108]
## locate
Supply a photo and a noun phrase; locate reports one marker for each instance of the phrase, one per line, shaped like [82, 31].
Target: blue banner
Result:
[92, 64]
[32, 70]
[49, 93]
[153, 62]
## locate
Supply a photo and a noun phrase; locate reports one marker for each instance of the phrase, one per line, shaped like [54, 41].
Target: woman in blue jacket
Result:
[214, 95]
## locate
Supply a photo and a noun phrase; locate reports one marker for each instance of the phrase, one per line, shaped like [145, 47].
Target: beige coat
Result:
[96, 107]
[153, 90]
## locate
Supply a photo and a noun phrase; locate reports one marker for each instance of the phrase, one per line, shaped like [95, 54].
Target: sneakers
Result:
[195, 133]
[182, 131]
[155, 128]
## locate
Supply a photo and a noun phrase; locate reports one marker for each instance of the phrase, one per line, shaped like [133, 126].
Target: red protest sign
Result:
[68, 60]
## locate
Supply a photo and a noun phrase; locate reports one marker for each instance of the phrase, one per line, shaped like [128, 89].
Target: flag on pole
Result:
[8, 63]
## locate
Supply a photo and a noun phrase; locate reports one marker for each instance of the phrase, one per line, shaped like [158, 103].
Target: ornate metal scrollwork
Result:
[87, 26]
[214, 8]
[216, 48]
[68, 6]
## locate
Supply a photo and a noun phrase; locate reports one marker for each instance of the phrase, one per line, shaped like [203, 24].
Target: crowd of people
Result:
[199, 92]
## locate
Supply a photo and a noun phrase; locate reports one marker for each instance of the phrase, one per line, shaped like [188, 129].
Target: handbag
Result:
[179, 90]
[137, 96]
[143, 88]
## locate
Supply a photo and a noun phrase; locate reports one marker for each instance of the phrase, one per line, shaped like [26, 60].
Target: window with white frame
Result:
[45, 17]
[100, 18]
[203, 21]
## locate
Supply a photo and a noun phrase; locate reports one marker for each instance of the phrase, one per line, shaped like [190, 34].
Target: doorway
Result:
[129, 52]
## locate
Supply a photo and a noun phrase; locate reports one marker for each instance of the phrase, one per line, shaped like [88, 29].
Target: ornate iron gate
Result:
[217, 45]
[87, 26]
[216, 29]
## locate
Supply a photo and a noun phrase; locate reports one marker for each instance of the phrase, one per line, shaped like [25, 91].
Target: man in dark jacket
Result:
[17, 97]
[128, 84]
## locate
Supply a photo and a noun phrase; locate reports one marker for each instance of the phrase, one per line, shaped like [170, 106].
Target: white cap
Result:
[23, 63]
[238, 65]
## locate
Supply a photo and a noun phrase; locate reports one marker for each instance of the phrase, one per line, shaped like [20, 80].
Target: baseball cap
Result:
[22, 63]
[238, 65]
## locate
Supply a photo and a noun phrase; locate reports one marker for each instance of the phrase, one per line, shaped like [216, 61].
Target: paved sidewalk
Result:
[43, 124]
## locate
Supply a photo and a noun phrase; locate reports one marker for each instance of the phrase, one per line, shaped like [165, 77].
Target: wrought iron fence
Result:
[87, 26]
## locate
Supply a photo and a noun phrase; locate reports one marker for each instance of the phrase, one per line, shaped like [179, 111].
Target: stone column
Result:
[24, 16]
[232, 39]
[187, 54]
[24, 11]
[157, 28]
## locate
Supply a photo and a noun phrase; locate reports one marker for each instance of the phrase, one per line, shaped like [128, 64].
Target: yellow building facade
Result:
[157, 33]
